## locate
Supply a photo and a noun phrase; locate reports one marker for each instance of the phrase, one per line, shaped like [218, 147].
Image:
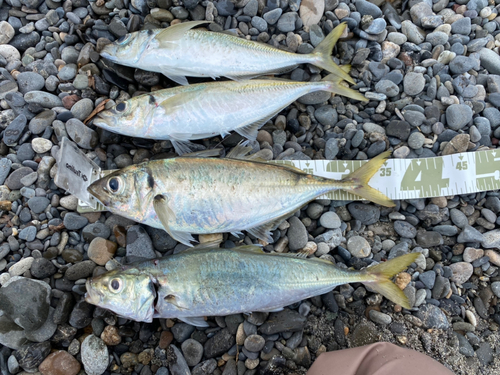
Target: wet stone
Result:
[26, 302]
[432, 317]
[182, 331]
[283, 321]
[193, 352]
[366, 213]
[30, 356]
[220, 343]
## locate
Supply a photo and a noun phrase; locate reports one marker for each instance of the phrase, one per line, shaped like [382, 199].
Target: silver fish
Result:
[207, 281]
[204, 110]
[187, 195]
[179, 51]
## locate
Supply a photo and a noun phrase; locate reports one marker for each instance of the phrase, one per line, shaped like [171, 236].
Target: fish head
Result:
[126, 118]
[126, 292]
[127, 50]
[128, 191]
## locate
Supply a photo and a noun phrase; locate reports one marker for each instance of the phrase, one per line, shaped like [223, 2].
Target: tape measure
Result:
[464, 173]
[456, 174]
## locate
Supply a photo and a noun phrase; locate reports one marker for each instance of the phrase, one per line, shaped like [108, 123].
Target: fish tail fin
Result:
[323, 53]
[335, 86]
[357, 181]
[380, 278]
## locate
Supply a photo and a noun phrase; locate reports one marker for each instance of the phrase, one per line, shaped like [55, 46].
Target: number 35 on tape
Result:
[462, 173]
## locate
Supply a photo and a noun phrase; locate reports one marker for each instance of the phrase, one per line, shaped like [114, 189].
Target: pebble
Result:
[25, 301]
[490, 60]
[192, 351]
[94, 354]
[358, 247]
[60, 363]
[14, 130]
[41, 145]
[330, 220]
[458, 115]
[432, 317]
[43, 99]
[462, 271]
[413, 83]
[73, 221]
[297, 234]
[139, 244]
[29, 81]
[101, 250]
[82, 135]
[380, 318]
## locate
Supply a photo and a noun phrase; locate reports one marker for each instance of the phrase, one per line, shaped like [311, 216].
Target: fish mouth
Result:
[108, 52]
[94, 189]
[92, 296]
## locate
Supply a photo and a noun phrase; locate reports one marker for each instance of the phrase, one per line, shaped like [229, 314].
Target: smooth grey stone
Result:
[73, 221]
[458, 115]
[432, 317]
[14, 130]
[139, 245]
[30, 81]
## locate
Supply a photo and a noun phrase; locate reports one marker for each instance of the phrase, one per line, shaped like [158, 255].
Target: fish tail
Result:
[334, 85]
[322, 54]
[357, 181]
[379, 278]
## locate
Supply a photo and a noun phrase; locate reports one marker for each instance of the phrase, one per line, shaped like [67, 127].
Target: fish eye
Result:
[115, 285]
[123, 39]
[114, 184]
[120, 107]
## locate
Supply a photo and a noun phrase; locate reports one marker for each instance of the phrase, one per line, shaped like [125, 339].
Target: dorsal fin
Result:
[176, 32]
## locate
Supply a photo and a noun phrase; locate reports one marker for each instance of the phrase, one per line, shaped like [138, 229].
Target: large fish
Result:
[218, 282]
[204, 110]
[187, 195]
[179, 51]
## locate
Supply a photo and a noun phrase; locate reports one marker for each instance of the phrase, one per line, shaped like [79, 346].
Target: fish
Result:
[204, 110]
[180, 50]
[208, 281]
[196, 195]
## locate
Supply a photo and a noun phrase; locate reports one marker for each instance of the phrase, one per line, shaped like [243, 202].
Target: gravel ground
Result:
[432, 74]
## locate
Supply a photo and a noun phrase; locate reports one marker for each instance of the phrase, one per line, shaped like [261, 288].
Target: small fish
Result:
[208, 281]
[187, 195]
[205, 110]
[179, 51]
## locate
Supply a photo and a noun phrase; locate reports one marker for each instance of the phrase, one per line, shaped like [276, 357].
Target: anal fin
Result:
[181, 80]
[197, 321]
[183, 147]
[165, 213]
[250, 131]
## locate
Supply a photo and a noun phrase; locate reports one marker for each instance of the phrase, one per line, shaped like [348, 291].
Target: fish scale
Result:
[179, 51]
[205, 195]
[206, 281]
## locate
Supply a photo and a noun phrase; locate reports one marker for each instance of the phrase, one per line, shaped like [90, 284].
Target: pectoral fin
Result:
[197, 321]
[165, 214]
